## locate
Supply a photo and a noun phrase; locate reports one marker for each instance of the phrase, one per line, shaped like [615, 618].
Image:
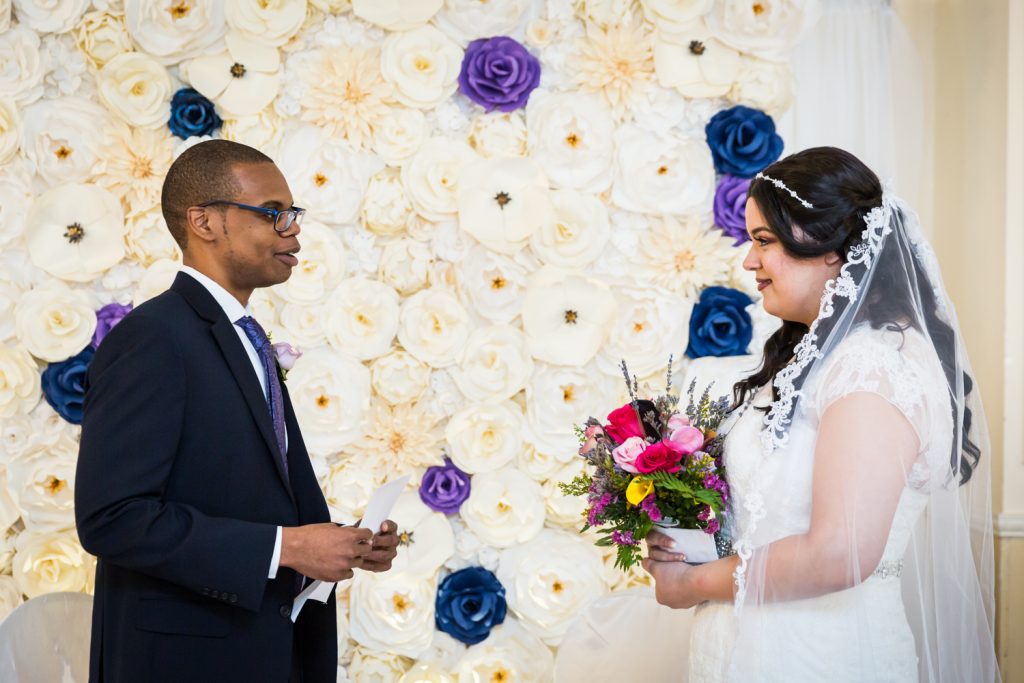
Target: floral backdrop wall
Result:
[504, 200]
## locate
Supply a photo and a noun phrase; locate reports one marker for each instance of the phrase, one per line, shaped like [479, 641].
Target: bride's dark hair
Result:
[842, 191]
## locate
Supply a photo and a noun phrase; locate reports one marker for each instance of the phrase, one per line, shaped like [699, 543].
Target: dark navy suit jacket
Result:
[179, 492]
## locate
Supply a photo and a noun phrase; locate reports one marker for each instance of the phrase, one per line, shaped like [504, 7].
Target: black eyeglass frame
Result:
[295, 212]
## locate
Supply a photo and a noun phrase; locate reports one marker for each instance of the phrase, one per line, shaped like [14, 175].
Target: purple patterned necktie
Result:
[275, 401]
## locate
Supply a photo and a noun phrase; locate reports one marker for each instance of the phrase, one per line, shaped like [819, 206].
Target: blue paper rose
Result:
[64, 385]
[192, 114]
[743, 141]
[470, 602]
[720, 324]
[498, 73]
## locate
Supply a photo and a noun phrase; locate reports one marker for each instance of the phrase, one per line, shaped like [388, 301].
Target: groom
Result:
[194, 487]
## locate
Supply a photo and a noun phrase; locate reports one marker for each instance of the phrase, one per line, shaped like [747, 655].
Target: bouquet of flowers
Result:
[654, 465]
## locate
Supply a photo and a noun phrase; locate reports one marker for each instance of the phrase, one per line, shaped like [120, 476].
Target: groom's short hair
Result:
[203, 173]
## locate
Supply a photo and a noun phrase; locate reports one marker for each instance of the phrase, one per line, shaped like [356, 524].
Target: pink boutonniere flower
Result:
[285, 354]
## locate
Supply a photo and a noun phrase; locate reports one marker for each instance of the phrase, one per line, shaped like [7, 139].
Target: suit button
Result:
[285, 611]
[233, 598]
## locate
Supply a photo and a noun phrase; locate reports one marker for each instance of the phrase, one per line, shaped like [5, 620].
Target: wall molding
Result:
[1009, 525]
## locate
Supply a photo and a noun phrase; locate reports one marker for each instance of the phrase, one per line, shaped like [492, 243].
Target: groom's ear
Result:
[197, 220]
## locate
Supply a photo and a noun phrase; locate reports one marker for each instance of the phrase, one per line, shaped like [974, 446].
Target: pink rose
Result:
[626, 454]
[592, 434]
[623, 423]
[286, 355]
[658, 457]
[677, 421]
[686, 440]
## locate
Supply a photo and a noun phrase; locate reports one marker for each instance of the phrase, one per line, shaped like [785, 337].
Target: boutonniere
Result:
[285, 356]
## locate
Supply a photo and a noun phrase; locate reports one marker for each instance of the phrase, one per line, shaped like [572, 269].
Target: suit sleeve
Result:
[131, 429]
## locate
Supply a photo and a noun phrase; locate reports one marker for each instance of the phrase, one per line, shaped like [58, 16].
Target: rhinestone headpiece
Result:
[782, 186]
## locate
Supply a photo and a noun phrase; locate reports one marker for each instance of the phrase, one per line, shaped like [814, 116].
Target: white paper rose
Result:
[769, 86]
[148, 239]
[21, 65]
[651, 325]
[393, 612]
[405, 265]
[172, 32]
[156, 280]
[49, 563]
[137, 89]
[19, 381]
[54, 322]
[399, 378]
[564, 510]
[504, 508]
[684, 256]
[10, 595]
[485, 437]
[10, 130]
[431, 176]
[422, 65]
[576, 234]
[662, 173]
[674, 15]
[496, 284]
[101, 36]
[496, 134]
[321, 265]
[50, 16]
[566, 316]
[267, 21]
[549, 580]
[769, 30]
[5, 15]
[558, 396]
[302, 324]
[15, 199]
[399, 134]
[386, 207]
[361, 318]
[426, 540]
[510, 653]
[426, 673]
[331, 394]
[604, 12]
[465, 20]
[375, 666]
[570, 135]
[262, 131]
[395, 15]
[348, 486]
[60, 138]
[133, 164]
[494, 365]
[242, 80]
[540, 465]
[75, 231]
[694, 62]
[433, 326]
[502, 201]
[43, 481]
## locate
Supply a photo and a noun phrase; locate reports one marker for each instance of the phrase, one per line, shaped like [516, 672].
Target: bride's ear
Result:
[833, 259]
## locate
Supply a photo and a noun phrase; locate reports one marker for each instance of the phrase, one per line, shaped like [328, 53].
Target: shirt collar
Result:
[233, 308]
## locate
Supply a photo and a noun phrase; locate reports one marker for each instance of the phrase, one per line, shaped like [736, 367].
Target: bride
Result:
[857, 456]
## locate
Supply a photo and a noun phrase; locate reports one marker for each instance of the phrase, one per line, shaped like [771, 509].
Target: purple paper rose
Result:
[106, 318]
[731, 207]
[498, 73]
[444, 488]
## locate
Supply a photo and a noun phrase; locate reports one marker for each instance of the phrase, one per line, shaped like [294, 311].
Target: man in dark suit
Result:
[194, 487]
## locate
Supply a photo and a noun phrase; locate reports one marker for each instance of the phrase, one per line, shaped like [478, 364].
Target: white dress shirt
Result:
[234, 310]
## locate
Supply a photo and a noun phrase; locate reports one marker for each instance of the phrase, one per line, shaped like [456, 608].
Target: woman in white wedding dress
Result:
[857, 456]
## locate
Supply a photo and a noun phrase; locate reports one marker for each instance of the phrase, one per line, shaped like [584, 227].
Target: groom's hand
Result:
[385, 548]
[327, 552]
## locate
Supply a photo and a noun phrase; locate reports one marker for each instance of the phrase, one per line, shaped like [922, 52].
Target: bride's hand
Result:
[660, 548]
[673, 583]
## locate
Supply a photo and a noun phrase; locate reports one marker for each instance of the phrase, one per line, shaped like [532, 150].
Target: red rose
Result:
[623, 423]
[658, 457]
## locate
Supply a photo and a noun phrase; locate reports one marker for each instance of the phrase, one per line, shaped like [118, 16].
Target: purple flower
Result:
[498, 73]
[731, 207]
[713, 527]
[106, 318]
[597, 508]
[651, 508]
[444, 488]
[624, 538]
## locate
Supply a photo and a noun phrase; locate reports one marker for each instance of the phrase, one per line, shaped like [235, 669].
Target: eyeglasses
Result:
[284, 219]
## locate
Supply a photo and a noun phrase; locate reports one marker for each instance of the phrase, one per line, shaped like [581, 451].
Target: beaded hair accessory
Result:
[782, 186]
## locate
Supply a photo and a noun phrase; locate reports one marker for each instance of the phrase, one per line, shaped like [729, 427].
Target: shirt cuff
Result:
[275, 560]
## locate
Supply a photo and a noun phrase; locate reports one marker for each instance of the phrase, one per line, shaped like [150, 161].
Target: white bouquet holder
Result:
[698, 546]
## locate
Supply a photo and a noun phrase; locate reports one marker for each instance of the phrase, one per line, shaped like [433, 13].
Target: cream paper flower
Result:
[769, 86]
[426, 539]
[387, 209]
[101, 36]
[422, 65]
[174, 30]
[156, 280]
[19, 381]
[674, 15]
[361, 318]
[75, 232]
[662, 173]
[484, 437]
[604, 12]
[9, 295]
[651, 325]
[404, 438]
[321, 265]
[539, 465]
[268, 21]
[577, 234]
[399, 134]
[133, 163]
[695, 63]
[399, 378]
[54, 322]
[504, 507]
[137, 89]
[326, 176]
[424, 673]
[497, 134]
[431, 177]
[616, 63]
[50, 16]
[15, 199]
[465, 20]
[393, 612]
[302, 324]
[405, 265]
[59, 138]
[566, 316]
[557, 396]
[502, 201]
[494, 364]
[570, 136]
[433, 326]
[345, 93]
[10, 595]
[496, 284]
[331, 393]
[564, 510]
[5, 15]
[395, 15]
[348, 486]
[769, 29]
[242, 80]
[375, 666]
[49, 563]
[684, 256]
[21, 65]
[148, 239]
[510, 653]
[262, 131]
[549, 580]
[10, 130]
[43, 481]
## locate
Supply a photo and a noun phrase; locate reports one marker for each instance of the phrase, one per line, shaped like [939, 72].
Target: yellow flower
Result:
[638, 489]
